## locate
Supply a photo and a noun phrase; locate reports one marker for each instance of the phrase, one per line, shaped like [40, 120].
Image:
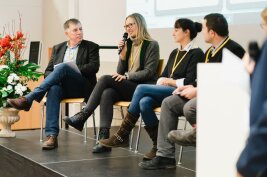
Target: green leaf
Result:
[4, 94]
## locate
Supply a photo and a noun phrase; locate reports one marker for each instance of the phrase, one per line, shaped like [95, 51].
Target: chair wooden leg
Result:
[66, 113]
[60, 114]
[42, 122]
[180, 155]
[181, 147]
[85, 127]
[95, 136]
[122, 114]
[85, 131]
[138, 136]
[131, 140]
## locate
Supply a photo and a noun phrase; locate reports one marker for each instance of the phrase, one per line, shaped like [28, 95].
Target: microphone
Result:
[254, 50]
[124, 38]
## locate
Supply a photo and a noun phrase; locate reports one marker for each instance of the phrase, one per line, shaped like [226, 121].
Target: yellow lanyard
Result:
[132, 59]
[216, 51]
[174, 66]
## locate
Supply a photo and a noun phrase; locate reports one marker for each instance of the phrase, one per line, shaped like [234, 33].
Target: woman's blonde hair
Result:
[264, 15]
[141, 25]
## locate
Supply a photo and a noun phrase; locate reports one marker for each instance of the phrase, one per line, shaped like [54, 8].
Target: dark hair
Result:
[193, 27]
[72, 20]
[217, 23]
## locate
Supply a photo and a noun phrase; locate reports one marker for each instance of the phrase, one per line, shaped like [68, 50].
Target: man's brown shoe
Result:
[50, 143]
[20, 103]
[183, 137]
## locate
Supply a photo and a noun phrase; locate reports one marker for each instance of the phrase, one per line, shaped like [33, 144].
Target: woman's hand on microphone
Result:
[118, 77]
[122, 45]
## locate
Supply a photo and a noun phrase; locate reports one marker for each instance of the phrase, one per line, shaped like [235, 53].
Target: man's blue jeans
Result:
[147, 97]
[64, 82]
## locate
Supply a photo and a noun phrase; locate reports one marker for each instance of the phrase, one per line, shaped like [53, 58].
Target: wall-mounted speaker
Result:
[35, 52]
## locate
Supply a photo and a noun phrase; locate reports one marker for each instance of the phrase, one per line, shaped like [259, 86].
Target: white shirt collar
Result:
[74, 46]
[189, 46]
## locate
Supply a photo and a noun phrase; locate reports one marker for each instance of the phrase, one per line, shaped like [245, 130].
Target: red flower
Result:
[19, 34]
[5, 42]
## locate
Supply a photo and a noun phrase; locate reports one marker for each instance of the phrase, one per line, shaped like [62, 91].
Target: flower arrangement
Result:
[15, 72]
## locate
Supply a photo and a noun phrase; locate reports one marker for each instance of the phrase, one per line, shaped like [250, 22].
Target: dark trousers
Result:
[106, 92]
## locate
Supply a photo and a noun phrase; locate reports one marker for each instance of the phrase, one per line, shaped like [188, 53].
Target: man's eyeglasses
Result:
[130, 25]
[262, 25]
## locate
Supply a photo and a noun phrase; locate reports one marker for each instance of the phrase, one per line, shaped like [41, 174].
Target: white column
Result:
[74, 9]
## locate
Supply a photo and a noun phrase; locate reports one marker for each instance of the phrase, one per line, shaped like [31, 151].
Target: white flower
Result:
[9, 87]
[3, 66]
[15, 76]
[23, 88]
[19, 92]
[11, 78]
[18, 89]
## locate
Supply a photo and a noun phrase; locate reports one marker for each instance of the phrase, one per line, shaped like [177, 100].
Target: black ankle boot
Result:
[103, 134]
[77, 121]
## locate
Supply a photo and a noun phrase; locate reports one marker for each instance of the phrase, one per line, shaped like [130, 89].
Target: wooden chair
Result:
[61, 115]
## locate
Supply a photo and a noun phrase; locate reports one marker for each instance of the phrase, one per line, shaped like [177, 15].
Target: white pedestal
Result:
[222, 121]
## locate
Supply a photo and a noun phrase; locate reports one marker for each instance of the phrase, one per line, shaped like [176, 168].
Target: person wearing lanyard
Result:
[71, 73]
[180, 70]
[183, 101]
[137, 64]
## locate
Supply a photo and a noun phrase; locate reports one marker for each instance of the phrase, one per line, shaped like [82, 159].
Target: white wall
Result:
[104, 20]
[103, 23]
[55, 13]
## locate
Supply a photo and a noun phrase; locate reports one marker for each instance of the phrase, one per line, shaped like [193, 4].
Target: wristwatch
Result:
[126, 76]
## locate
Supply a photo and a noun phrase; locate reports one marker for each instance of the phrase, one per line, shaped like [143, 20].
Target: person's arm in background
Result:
[249, 63]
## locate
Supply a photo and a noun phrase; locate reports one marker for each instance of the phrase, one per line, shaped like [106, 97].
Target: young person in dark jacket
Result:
[138, 62]
[71, 72]
[253, 159]
[183, 101]
[180, 70]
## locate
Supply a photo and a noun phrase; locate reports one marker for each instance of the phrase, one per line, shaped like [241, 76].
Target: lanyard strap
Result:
[175, 65]
[217, 50]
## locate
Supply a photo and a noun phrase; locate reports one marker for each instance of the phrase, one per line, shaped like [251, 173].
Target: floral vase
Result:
[8, 116]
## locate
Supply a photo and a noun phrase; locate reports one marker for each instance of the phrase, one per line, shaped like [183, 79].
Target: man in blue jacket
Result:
[253, 160]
